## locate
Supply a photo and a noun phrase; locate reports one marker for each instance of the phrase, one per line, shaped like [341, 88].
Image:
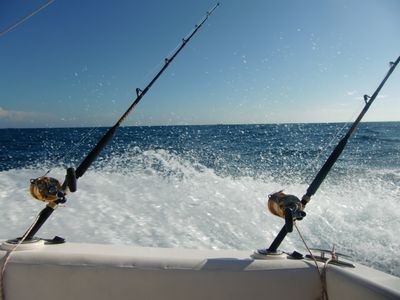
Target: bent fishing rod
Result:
[50, 191]
[290, 207]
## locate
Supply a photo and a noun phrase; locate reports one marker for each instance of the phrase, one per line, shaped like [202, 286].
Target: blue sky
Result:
[78, 63]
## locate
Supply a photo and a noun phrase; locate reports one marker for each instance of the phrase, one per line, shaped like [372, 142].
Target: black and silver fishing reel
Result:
[285, 206]
[49, 189]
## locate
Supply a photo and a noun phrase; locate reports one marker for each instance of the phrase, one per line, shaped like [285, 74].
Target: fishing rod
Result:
[50, 191]
[290, 207]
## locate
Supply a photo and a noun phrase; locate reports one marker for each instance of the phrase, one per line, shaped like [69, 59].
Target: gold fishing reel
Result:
[49, 189]
[46, 189]
[286, 206]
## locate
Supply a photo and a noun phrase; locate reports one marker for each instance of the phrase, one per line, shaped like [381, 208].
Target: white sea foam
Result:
[168, 201]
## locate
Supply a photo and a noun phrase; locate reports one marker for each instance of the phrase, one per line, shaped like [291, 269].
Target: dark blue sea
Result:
[207, 186]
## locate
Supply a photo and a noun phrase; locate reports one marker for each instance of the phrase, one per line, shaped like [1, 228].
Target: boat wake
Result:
[163, 199]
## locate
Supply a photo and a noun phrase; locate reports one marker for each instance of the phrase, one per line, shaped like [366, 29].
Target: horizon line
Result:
[188, 125]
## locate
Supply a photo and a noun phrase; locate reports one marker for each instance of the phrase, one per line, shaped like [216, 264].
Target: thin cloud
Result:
[21, 116]
[351, 93]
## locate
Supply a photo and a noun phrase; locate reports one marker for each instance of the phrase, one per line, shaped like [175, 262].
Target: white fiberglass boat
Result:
[87, 271]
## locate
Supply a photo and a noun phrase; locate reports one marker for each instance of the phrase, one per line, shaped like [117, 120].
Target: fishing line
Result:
[321, 275]
[157, 67]
[73, 148]
[172, 52]
[22, 20]
[7, 257]
[312, 165]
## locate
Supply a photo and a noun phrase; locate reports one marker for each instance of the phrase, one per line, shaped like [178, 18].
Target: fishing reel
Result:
[285, 206]
[50, 191]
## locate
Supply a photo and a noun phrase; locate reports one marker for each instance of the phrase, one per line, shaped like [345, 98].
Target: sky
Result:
[78, 63]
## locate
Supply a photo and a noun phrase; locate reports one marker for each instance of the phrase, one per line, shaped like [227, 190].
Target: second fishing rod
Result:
[292, 208]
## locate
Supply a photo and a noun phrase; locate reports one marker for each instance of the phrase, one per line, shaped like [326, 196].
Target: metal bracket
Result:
[333, 259]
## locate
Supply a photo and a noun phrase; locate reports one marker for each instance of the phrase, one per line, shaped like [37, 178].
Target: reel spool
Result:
[285, 206]
[46, 189]
[49, 189]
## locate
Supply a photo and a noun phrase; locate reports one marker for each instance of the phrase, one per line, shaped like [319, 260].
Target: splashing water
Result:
[207, 186]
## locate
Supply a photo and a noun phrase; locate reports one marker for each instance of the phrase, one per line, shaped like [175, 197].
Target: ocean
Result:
[206, 187]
